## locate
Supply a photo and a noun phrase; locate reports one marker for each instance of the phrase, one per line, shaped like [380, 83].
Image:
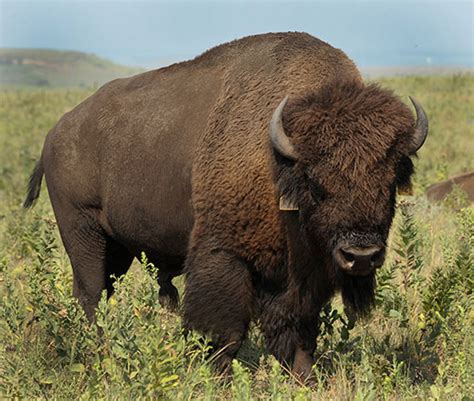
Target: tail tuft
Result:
[34, 185]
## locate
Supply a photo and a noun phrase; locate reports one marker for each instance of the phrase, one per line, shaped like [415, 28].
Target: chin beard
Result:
[358, 292]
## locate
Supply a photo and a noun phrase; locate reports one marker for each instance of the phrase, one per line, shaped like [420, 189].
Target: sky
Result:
[154, 33]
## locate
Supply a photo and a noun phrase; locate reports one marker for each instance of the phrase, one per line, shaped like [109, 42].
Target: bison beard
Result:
[358, 293]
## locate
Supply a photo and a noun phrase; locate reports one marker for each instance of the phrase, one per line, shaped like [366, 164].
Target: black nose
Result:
[359, 260]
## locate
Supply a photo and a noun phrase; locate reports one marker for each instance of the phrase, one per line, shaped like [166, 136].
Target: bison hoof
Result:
[302, 366]
[223, 366]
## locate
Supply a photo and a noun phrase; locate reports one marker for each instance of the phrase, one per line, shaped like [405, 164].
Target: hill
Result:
[54, 68]
[403, 71]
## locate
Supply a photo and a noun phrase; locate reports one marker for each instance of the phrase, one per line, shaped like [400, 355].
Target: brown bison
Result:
[265, 169]
[441, 190]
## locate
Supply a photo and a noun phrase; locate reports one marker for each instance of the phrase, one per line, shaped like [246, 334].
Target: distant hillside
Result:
[400, 71]
[54, 68]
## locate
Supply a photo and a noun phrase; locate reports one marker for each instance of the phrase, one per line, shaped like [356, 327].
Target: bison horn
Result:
[421, 127]
[280, 141]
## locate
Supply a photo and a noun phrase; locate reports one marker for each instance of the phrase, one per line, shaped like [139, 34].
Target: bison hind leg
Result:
[96, 268]
[168, 295]
[96, 258]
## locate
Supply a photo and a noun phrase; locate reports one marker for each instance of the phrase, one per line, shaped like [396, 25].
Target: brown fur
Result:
[350, 136]
[178, 162]
[441, 190]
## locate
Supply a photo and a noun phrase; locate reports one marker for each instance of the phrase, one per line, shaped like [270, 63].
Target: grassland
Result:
[55, 68]
[417, 343]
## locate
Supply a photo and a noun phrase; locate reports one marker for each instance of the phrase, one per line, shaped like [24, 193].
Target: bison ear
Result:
[287, 205]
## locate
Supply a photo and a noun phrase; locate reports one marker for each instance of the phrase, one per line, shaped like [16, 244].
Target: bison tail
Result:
[34, 185]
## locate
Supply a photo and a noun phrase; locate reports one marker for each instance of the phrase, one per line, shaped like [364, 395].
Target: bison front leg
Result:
[290, 337]
[218, 301]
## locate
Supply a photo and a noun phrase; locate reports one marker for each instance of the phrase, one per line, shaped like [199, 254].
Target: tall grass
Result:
[416, 344]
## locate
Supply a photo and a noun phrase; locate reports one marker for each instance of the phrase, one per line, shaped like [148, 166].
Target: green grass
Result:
[417, 343]
[54, 68]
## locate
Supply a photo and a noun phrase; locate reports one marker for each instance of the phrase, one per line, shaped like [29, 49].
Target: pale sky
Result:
[151, 33]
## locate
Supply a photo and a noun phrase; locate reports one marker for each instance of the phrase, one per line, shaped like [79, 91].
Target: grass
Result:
[417, 343]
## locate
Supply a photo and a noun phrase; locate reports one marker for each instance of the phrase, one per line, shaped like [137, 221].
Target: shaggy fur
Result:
[178, 162]
[353, 141]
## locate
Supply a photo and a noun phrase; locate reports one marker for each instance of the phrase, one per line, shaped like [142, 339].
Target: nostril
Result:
[377, 256]
[348, 256]
[344, 259]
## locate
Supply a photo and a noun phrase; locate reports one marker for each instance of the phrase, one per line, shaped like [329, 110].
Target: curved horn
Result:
[421, 127]
[279, 139]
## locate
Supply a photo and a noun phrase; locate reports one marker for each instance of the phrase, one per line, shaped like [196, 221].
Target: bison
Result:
[440, 190]
[265, 169]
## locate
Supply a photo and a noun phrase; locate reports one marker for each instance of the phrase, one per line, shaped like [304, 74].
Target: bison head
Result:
[342, 152]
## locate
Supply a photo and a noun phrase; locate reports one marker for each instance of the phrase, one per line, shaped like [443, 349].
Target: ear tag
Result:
[286, 205]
